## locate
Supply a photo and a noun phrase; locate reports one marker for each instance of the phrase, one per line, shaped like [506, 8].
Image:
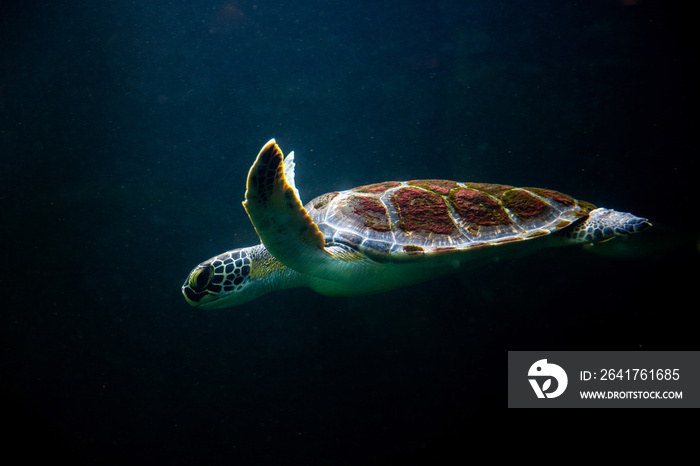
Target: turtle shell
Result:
[396, 220]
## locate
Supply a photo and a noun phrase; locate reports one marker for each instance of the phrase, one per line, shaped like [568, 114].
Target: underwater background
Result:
[126, 133]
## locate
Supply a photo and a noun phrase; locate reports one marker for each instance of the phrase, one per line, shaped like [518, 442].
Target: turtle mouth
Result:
[197, 299]
[191, 296]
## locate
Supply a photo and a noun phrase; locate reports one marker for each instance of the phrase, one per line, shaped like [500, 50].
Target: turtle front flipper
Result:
[605, 224]
[273, 205]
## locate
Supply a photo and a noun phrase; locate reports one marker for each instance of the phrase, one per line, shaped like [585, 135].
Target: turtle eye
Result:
[200, 278]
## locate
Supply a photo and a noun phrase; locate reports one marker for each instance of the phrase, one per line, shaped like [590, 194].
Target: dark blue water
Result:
[126, 133]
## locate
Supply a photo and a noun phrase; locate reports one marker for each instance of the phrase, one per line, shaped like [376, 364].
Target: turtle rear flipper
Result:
[605, 224]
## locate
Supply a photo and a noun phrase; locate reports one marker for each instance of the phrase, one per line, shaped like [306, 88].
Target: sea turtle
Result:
[384, 236]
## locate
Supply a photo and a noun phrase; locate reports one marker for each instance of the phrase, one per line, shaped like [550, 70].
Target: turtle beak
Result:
[198, 300]
[195, 287]
[192, 298]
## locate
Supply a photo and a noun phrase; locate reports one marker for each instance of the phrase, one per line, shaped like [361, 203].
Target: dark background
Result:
[126, 133]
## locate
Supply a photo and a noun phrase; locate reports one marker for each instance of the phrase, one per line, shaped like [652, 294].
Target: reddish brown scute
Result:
[369, 210]
[523, 203]
[423, 211]
[377, 187]
[478, 207]
[437, 186]
[440, 216]
[322, 201]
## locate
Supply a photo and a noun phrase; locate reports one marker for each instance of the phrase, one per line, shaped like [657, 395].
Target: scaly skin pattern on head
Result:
[238, 276]
[389, 235]
[604, 224]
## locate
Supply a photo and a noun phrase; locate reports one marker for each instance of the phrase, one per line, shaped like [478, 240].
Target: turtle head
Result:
[223, 281]
[236, 277]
